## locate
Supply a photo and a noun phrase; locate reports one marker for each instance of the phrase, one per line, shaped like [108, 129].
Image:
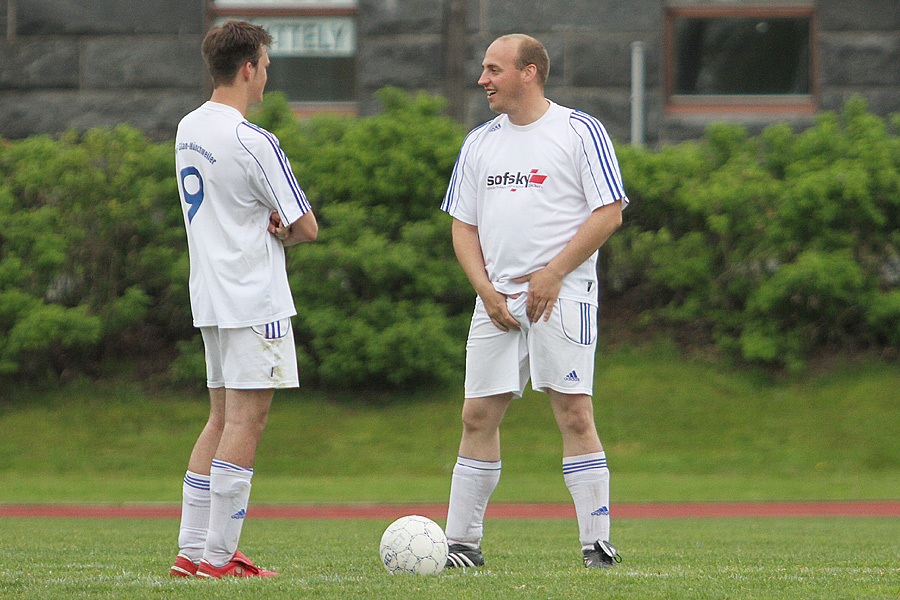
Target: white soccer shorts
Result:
[260, 357]
[557, 354]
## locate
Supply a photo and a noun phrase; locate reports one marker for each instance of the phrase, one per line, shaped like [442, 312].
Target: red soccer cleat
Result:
[183, 567]
[239, 566]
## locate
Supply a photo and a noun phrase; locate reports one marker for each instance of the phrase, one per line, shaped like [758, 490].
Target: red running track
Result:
[673, 510]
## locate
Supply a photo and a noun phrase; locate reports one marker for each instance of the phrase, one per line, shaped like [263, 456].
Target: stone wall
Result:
[857, 43]
[400, 43]
[859, 52]
[75, 65]
[79, 64]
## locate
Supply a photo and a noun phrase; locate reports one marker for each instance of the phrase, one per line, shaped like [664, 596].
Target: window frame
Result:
[744, 103]
[248, 11]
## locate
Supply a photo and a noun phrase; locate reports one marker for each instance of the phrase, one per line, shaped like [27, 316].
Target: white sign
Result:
[285, 3]
[308, 36]
[323, 36]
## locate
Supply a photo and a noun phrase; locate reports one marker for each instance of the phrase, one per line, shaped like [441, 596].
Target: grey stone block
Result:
[536, 16]
[143, 62]
[860, 59]
[881, 101]
[678, 128]
[606, 61]
[101, 17]
[156, 112]
[858, 15]
[382, 17]
[36, 64]
[414, 63]
[368, 105]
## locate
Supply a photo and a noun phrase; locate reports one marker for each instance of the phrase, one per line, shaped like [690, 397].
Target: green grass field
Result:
[709, 558]
[674, 430]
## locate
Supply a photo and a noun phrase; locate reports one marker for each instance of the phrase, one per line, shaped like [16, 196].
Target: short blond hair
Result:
[530, 52]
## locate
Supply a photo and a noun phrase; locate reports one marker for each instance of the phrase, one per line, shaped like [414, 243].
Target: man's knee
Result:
[474, 420]
[251, 423]
[578, 424]
[575, 417]
[483, 415]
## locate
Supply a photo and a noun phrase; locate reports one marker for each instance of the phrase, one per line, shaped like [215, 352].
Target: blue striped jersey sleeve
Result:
[277, 179]
[600, 174]
[462, 185]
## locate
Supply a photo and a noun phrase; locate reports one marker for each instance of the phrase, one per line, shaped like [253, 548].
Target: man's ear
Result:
[247, 71]
[529, 73]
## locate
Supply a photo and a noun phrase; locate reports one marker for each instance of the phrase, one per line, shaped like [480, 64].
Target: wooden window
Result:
[740, 58]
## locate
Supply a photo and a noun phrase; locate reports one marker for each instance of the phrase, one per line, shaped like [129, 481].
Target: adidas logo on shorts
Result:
[573, 376]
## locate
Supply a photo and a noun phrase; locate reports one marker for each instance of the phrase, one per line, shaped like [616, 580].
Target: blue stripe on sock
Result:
[197, 483]
[586, 465]
[221, 464]
[584, 462]
[596, 464]
[488, 465]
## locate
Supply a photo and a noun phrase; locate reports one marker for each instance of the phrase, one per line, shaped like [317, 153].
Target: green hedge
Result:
[776, 247]
[773, 247]
[94, 265]
[92, 254]
[380, 297]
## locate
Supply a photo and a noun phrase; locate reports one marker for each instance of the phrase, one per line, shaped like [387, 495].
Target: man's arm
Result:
[544, 284]
[304, 229]
[467, 246]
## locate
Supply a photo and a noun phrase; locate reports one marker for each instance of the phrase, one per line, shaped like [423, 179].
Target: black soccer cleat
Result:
[602, 556]
[464, 556]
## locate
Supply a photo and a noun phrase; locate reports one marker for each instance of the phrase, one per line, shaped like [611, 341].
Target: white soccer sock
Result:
[229, 496]
[194, 515]
[471, 487]
[587, 478]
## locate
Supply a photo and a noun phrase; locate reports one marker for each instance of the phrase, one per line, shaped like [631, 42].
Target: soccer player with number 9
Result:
[242, 206]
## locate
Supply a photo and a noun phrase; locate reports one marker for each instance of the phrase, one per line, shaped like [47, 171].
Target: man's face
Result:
[260, 76]
[500, 78]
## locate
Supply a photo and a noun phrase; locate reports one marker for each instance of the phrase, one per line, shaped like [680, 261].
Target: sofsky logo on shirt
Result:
[514, 181]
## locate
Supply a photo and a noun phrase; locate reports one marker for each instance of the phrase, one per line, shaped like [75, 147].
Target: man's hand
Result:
[276, 228]
[497, 310]
[467, 246]
[543, 290]
[304, 229]
[544, 284]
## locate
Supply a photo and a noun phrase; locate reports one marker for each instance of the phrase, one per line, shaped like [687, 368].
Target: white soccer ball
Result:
[414, 544]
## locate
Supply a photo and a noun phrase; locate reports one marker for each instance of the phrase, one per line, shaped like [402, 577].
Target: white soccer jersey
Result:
[529, 189]
[231, 176]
